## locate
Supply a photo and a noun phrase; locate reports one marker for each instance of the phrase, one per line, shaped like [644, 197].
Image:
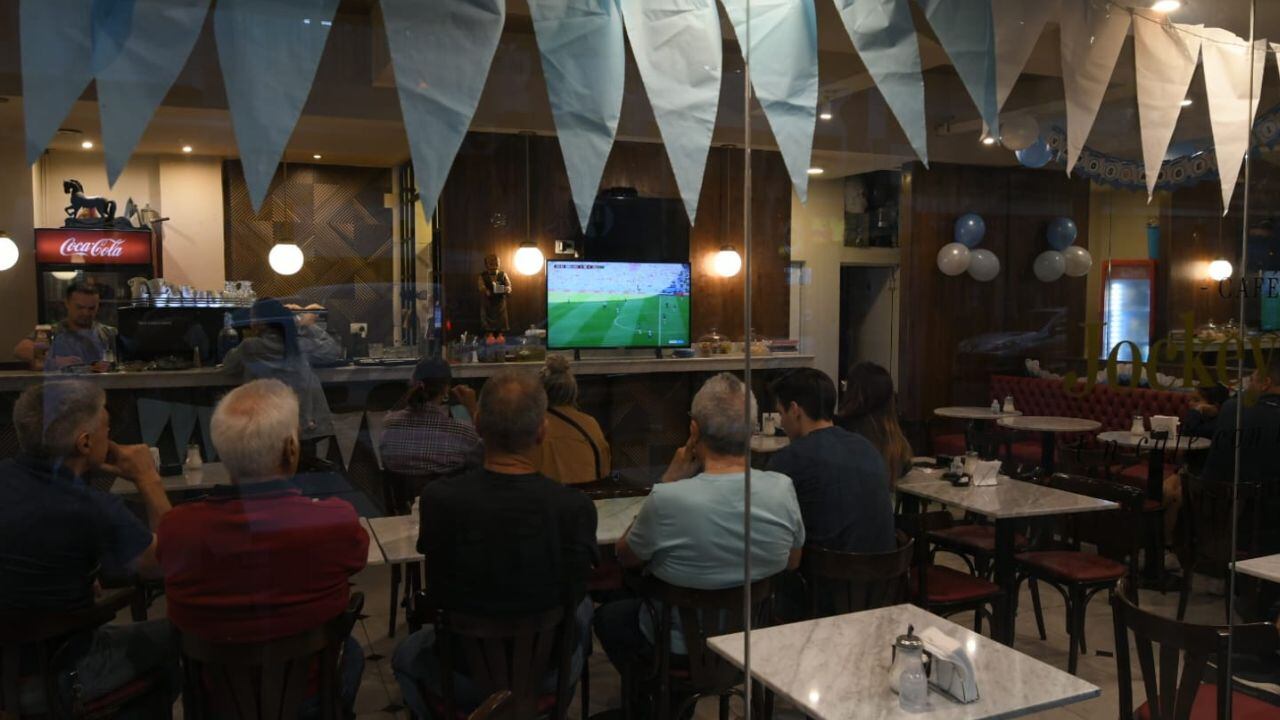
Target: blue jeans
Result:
[417, 667]
[117, 655]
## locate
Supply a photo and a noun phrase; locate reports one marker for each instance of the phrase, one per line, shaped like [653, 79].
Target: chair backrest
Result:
[1206, 514]
[1087, 459]
[1118, 533]
[266, 680]
[514, 654]
[38, 637]
[842, 582]
[400, 489]
[496, 707]
[703, 614]
[1170, 694]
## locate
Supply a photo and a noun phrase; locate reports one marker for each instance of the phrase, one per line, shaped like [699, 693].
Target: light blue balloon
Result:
[1061, 233]
[970, 229]
[1035, 155]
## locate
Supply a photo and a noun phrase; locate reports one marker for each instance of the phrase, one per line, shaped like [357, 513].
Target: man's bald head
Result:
[512, 408]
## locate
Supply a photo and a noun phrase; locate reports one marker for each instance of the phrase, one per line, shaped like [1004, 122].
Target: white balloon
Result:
[983, 265]
[1018, 131]
[1078, 261]
[1049, 266]
[954, 258]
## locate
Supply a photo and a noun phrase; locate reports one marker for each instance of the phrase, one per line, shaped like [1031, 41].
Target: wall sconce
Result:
[285, 258]
[8, 251]
[727, 262]
[1220, 269]
[528, 259]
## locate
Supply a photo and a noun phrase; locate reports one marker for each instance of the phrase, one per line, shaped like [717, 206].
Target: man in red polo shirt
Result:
[256, 560]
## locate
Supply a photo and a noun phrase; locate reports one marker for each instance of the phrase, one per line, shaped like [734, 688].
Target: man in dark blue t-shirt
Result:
[840, 479]
[57, 533]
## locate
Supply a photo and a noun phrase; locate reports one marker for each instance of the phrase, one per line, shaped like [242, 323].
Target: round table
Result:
[764, 444]
[973, 412]
[1048, 426]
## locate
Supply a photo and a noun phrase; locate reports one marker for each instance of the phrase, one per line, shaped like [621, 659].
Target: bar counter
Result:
[15, 381]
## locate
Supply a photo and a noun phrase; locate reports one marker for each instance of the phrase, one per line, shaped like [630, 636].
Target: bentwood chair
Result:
[842, 582]
[32, 650]
[1176, 689]
[940, 589]
[256, 681]
[1077, 574]
[700, 673]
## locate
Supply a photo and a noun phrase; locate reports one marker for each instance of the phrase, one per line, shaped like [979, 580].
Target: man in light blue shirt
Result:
[689, 533]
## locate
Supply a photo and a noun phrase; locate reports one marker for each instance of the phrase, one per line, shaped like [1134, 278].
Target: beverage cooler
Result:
[105, 257]
[1128, 307]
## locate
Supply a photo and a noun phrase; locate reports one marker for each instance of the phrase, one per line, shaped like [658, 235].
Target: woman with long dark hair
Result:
[870, 410]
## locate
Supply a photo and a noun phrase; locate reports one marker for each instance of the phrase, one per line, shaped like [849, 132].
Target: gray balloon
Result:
[983, 265]
[1049, 266]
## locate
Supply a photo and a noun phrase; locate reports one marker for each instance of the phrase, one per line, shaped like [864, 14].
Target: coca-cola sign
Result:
[93, 247]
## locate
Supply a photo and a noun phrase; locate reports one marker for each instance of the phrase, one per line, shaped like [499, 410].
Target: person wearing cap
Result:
[423, 438]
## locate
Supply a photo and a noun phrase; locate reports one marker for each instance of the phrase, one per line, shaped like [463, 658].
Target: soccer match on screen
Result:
[617, 304]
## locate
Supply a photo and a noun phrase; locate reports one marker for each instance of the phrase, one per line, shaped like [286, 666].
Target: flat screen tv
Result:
[594, 304]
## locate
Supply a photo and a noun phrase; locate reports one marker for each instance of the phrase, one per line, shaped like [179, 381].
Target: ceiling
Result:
[353, 116]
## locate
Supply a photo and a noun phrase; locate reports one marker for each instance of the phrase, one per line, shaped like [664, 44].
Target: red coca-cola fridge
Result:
[105, 257]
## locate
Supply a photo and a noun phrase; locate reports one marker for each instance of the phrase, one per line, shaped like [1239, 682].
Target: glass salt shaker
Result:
[906, 676]
[1137, 427]
[193, 461]
[995, 406]
[1008, 404]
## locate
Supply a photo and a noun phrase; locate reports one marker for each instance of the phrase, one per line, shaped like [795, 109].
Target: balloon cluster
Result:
[1064, 258]
[957, 257]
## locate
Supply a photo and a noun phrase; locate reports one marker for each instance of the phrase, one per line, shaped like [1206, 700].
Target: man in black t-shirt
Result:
[841, 481]
[500, 540]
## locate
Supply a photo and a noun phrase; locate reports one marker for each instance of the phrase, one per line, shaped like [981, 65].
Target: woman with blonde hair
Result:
[574, 450]
[869, 410]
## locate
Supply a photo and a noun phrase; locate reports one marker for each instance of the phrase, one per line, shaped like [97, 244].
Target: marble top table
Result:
[1266, 567]
[1128, 439]
[209, 474]
[1047, 426]
[375, 556]
[1004, 503]
[974, 412]
[837, 668]
[768, 443]
[398, 535]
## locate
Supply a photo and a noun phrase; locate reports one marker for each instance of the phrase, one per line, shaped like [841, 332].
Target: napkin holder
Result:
[986, 473]
[950, 669]
[1165, 426]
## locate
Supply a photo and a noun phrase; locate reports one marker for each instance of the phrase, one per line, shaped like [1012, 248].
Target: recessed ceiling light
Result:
[1187, 102]
[816, 171]
[87, 144]
[825, 113]
[1166, 6]
[317, 156]
[988, 140]
[187, 148]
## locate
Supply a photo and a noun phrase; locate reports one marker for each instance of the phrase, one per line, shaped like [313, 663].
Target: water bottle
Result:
[228, 338]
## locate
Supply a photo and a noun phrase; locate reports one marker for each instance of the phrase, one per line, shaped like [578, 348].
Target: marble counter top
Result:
[1049, 423]
[837, 668]
[1010, 499]
[1266, 567]
[398, 535]
[15, 381]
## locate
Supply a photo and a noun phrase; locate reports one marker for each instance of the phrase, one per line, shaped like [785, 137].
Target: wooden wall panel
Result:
[939, 313]
[482, 210]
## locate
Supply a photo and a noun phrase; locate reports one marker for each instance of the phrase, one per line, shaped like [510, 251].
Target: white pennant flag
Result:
[1164, 61]
[1018, 25]
[679, 52]
[1091, 42]
[1232, 87]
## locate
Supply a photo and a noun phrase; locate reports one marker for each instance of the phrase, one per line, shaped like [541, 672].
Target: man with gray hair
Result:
[501, 540]
[689, 533]
[256, 560]
[57, 533]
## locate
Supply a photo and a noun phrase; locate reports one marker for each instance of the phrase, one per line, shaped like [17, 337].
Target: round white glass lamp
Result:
[285, 258]
[1220, 270]
[727, 262]
[528, 259]
[8, 252]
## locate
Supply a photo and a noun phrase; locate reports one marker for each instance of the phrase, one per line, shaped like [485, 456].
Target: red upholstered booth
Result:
[1112, 405]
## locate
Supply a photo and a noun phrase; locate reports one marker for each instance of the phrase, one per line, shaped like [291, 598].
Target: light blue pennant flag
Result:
[885, 38]
[441, 51]
[138, 51]
[967, 32]
[153, 416]
[57, 48]
[584, 61]
[678, 50]
[182, 422]
[784, 74]
[269, 51]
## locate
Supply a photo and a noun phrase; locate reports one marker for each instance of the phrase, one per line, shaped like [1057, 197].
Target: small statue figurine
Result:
[495, 286]
[104, 209]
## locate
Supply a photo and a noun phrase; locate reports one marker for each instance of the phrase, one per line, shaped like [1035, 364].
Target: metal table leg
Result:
[1006, 577]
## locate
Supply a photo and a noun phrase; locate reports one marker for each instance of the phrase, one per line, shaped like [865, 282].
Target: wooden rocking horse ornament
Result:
[105, 208]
